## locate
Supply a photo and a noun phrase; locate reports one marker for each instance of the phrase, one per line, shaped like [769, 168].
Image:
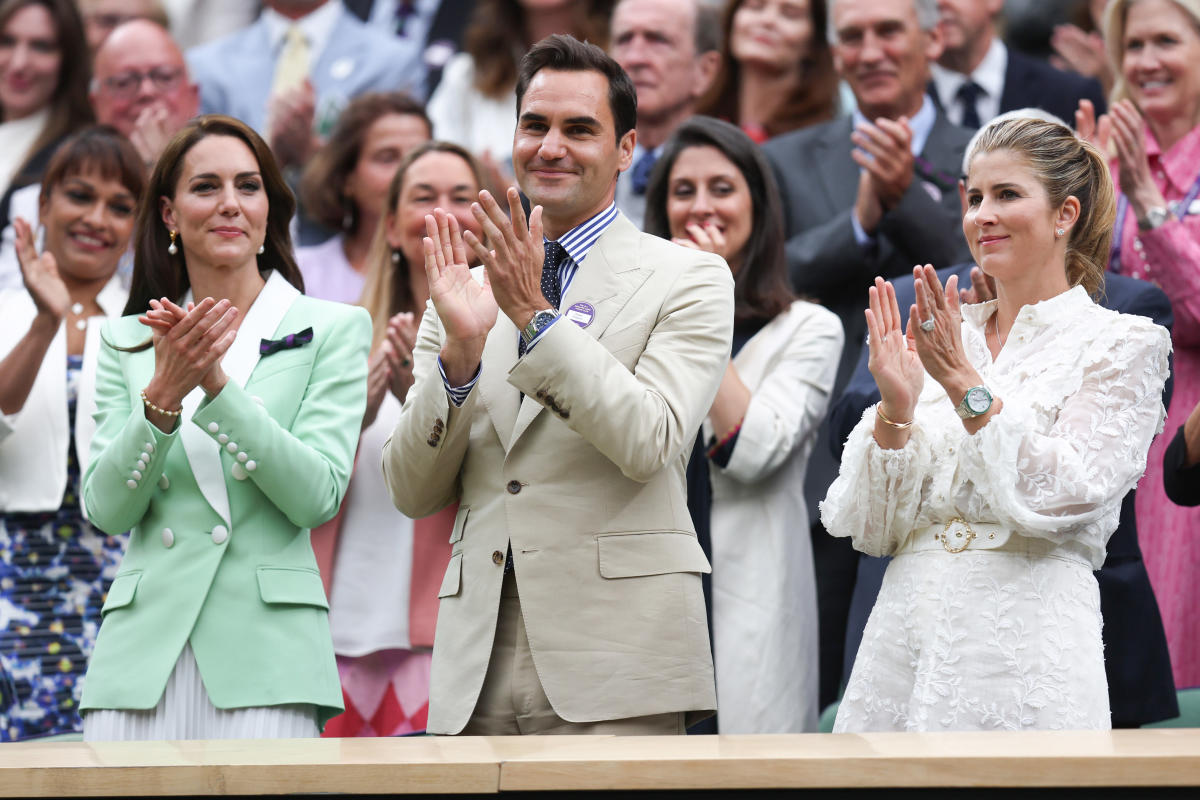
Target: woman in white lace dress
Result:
[997, 515]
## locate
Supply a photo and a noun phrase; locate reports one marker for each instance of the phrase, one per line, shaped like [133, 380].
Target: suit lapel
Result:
[835, 168]
[261, 321]
[605, 281]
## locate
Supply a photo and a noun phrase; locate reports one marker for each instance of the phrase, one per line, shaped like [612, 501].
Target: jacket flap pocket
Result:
[120, 593]
[452, 582]
[295, 586]
[628, 555]
[460, 522]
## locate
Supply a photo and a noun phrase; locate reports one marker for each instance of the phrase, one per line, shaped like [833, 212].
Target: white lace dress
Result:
[1005, 633]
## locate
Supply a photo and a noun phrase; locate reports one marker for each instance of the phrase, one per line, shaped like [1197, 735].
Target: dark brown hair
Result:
[70, 108]
[157, 273]
[495, 39]
[323, 186]
[387, 289]
[760, 291]
[814, 97]
[564, 52]
[97, 147]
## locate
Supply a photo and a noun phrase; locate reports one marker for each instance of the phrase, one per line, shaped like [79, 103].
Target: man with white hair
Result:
[869, 195]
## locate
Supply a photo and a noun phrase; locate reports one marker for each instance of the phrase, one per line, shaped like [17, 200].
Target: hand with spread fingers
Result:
[892, 358]
[938, 332]
[983, 288]
[466, 308]
[1129, 141]
[40, 273]
[514, 266]
[401, 340]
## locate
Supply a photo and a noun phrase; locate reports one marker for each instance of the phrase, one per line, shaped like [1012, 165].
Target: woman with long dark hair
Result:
[713, 190]
[228, 413]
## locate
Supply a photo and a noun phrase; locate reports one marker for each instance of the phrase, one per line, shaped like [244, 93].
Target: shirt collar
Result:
[1040, 314]
[1179, 163]
[921, 123]
[579, 240]
[988, 76]
[317, 26]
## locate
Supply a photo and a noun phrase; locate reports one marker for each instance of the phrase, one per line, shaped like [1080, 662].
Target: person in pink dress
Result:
[1153, 128]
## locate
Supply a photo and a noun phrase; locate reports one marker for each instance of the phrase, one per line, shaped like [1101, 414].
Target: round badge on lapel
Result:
[581, 314]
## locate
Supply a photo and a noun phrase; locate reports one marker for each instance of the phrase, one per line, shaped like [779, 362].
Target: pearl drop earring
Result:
[395, 256]
[171, 248]
[262, 248]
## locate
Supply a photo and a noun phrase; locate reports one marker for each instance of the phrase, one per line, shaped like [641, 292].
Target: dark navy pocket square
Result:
[268, 346]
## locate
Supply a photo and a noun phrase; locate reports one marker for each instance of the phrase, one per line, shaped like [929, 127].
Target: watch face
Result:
[979, 400]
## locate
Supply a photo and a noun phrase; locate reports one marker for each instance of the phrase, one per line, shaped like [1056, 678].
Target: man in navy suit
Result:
[977, 77]
[1141, 688]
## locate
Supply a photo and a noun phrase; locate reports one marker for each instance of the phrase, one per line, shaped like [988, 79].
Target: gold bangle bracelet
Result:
[882, 418]
[150, 405]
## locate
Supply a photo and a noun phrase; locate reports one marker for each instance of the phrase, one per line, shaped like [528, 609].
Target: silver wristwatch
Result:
[540, 320]
[1155, 217]
[975, 402]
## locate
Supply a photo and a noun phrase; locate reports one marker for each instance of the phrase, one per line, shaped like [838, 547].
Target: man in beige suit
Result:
[572, 602]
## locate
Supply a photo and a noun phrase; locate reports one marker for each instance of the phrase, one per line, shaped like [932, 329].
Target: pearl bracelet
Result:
[150, 405]
[897, 425]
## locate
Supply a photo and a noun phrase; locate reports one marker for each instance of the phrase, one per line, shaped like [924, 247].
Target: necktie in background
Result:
[968, 95]
[641, 171]
[551, 285]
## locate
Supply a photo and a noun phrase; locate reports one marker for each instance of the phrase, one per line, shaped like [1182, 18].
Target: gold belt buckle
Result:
[944, 538]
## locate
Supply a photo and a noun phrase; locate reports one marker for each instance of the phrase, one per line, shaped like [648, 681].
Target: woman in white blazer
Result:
[55, 568]
[712, 190]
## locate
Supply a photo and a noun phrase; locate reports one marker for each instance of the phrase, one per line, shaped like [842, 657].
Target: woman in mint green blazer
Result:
[228, 413]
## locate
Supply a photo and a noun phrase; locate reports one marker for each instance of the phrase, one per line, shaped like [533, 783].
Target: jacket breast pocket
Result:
[452, 582]
[640, 553]
[291, 586]
[121, 592]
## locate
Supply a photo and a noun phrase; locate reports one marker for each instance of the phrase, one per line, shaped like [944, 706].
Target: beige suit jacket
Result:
[584, 475]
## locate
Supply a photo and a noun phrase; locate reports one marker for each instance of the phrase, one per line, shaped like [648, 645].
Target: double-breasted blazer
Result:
[575, 455]
[221, 507]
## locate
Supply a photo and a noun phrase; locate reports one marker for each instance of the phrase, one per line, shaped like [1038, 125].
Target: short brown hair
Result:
[156, 273]
[323, 185]
[97, 147]
[564, 52]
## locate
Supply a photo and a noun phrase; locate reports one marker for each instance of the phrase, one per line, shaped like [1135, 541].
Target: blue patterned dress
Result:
[55, 569]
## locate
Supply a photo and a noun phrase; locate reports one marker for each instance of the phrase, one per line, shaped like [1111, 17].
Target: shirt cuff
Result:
[533, 342]
[863, 238]
[458, 394]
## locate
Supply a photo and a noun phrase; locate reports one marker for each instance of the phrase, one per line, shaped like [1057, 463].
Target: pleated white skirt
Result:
[184, 712]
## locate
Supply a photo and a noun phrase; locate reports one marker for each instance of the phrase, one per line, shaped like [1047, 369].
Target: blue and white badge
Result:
[581, 314]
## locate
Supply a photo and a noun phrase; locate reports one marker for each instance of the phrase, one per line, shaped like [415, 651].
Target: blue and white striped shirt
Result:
[577, 242]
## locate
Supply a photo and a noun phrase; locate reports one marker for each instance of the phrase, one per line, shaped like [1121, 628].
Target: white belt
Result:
[958, 535]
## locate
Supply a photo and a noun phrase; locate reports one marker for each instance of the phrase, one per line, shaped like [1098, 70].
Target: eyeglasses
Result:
[126, 84]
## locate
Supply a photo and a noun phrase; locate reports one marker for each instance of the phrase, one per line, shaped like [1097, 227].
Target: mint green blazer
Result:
[220, 511]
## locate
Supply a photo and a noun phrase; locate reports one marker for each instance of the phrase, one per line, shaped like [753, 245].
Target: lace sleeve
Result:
[877, 495]
[1051, 480]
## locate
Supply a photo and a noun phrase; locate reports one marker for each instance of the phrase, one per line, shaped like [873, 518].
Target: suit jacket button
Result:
[163, 483]
[239, 472]
[497, 557]
[514, 487]
[220, 534]
[213, 427]
[168, 538]
[540, 394]
[432, 442]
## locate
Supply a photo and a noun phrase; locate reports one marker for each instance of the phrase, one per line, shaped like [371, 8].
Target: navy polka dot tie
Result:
[551, 283]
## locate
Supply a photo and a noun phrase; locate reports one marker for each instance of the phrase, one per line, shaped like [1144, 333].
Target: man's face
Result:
[140, 70]
[565, 152]
[964, 21]
[654, 41]
[881, 51]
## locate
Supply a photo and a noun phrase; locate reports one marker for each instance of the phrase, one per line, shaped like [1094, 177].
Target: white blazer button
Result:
[213, 427]
[239, 472]
[163, 483]
[145, 457]
[220, 534]
[148, 447]
[251, 466]
[222, 438]
[137, 476]
[141, 463]
[232, 447]
[168, 538]
[131, 483]
[242, 457]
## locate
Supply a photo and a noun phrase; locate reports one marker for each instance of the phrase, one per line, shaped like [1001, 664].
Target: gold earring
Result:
[171, 248]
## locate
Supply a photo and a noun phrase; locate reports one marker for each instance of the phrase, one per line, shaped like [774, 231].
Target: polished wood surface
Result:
[466, 765]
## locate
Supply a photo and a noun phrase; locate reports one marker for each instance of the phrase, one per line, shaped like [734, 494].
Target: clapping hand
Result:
[1091, 129]
[188, 347]
[892, 357]
[940, 345]
[514, 267]
[1129, 141]
[466, 308]
[399, 346]
[151, 131]
[40, 273]
[884, 150]
[706, 237]
[983, 288]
